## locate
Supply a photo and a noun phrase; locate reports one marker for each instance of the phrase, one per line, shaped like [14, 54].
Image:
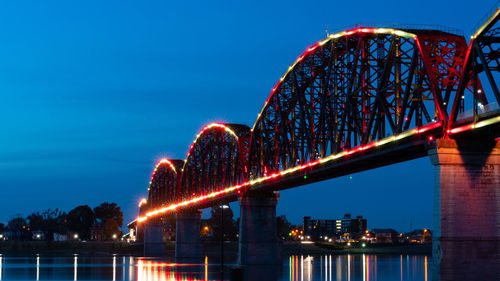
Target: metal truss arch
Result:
[162, 188]
[354, 88]
[216, 159]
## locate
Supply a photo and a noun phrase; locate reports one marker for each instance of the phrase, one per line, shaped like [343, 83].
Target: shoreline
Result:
[23, 248]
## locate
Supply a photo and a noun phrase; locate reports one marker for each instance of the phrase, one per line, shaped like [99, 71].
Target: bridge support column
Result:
[258, 238]
[153, 239]
[187, 236]
[466, 237]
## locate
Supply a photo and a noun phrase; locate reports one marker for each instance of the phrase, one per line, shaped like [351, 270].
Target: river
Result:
[359, 267]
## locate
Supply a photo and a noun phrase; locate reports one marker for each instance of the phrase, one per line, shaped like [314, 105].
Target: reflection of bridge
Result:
[360, 99]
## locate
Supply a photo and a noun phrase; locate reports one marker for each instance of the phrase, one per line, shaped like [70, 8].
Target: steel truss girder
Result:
[482, 57]
[354, 90]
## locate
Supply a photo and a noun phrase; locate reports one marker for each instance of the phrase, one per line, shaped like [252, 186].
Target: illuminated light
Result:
[485, 24]
[163, 161]
[366, 30]
[324, 41]
[143, 201]
[210, 126]
[429, 127]
[431, 138]
[313, 48]
[298, 168]
[474, 126]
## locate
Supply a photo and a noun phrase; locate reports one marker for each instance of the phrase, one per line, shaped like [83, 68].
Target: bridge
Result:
[363, 98]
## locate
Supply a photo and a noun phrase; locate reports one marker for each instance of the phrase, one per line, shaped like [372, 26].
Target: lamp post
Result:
[222, 207]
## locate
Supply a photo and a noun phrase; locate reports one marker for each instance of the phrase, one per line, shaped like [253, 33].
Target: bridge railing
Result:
[485, 17]
[442, 28]
[481, 109]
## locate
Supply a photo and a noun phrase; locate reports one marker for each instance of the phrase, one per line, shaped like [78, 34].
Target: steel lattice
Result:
[380, 93]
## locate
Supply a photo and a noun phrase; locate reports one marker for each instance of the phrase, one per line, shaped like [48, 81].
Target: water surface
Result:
[294, 268]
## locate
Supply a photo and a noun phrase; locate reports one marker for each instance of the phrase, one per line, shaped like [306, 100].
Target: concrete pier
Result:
[466, 237]
[154, 245]
[187, 236]
[258, 240]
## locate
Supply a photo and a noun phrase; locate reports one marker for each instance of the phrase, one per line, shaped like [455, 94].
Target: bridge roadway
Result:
[358, 100]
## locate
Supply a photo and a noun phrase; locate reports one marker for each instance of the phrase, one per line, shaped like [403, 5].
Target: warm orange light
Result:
[332, 157]
[142, 202]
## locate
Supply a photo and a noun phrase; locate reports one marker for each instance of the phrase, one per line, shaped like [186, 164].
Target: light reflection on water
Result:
[295, 268]
[357, 268]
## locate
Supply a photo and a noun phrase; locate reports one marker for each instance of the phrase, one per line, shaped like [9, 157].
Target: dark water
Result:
[294, 268]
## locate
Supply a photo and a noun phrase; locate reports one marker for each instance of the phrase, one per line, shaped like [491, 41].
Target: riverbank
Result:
[329, 248]
[17, 248]
[46, 248]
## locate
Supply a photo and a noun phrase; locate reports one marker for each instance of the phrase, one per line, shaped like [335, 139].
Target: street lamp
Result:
[75, 236]
[114, 236]
[222, 207]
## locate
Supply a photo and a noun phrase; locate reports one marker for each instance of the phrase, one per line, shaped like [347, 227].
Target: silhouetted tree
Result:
[49, 221]
[19, 226]
[110, 216]
[2, 227]
[283, 226]
[80, 220]
[36, 221]
[230, 228]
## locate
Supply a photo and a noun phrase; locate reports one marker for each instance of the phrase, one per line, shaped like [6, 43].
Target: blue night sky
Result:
[95, 92]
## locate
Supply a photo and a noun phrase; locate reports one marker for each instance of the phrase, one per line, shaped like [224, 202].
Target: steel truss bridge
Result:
[359, 99]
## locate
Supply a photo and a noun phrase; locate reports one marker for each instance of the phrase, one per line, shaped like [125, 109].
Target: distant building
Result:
[335, 227]
[37, 235]
[13, 235]
[133, 232]
[418, 236]
[385, 235]
[97, 232]
[353, 225]
[59, 237]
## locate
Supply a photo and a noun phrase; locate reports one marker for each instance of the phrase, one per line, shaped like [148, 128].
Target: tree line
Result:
[221, 222]
[107, 217]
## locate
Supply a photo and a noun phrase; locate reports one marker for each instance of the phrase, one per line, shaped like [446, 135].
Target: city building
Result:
[37, 235]
[385, 235]
[318, 228]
